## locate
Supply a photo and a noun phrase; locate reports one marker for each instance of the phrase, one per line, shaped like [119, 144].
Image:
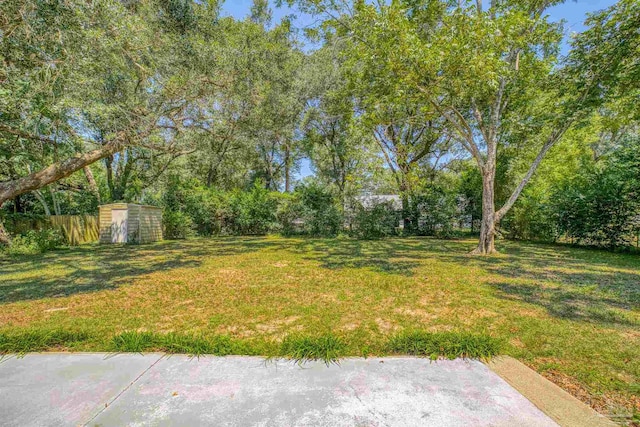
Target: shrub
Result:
[531, 218]
[191, 208]
[36, 241]
[318, 208]
[599, 209]
[177, 224]
[378, 221]
[207, 209]
[291, 214]
[433, 213]
[254, 211]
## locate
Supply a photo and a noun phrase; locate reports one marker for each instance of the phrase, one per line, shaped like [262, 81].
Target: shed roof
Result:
[130, 204]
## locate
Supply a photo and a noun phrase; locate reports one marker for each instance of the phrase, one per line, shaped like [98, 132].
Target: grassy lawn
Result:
[571, 314]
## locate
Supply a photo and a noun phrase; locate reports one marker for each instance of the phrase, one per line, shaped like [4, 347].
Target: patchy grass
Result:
[449, 345]
[571, 314]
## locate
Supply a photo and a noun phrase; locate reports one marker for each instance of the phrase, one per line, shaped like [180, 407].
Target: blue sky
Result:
[573, 12]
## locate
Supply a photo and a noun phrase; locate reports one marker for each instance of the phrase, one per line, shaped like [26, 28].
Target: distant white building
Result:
[371, 200]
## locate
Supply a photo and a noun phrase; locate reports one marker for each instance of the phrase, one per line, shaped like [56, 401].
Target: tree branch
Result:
[56, 171]
[551, 141]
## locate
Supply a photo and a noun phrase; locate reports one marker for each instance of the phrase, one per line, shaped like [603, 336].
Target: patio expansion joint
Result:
[135, 380]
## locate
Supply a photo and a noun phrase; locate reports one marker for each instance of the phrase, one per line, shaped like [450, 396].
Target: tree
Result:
[73, 69]
[275, 61]
[604, 60]
[223, 154]
[333, 142]
[405, 139]
[489, 72]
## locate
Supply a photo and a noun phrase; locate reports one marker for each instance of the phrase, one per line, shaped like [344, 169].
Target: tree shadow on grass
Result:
[571, 304]
[92, 268]
[391, 256]
[570, 283]
[583, 285]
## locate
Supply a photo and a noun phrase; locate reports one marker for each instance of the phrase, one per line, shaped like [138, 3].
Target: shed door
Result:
[119, 225]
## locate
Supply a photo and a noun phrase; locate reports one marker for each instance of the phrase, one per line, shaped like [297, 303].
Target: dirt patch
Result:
[384, 326]
[415, 312]
[276, 325]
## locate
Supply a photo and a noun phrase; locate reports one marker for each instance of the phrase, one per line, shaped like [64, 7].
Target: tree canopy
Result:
[461, 107]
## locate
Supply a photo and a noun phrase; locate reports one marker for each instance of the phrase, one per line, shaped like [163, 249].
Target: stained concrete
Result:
[62, 389]
[139, 390]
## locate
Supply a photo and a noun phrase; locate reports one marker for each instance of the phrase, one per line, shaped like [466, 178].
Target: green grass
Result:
[445, 344]
[176, 343]
[299, 348]
[22, 342]
[571, 314]
[327, 348]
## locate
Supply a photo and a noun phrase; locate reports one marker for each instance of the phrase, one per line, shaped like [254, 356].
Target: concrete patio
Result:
[156, 390]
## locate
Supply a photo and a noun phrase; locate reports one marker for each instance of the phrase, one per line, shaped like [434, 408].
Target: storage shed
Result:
[130, 223]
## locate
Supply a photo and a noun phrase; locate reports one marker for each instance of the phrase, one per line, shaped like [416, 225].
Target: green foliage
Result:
[375, 222]
[320, 215]
[290, 215]
[36, 241]
[604, 58]
[531, 219]
[450, 345]
[328, 348]
[253, 211]
[190, 206]
[177, 225]
[469, 189]
[433, 212]
[602, 205]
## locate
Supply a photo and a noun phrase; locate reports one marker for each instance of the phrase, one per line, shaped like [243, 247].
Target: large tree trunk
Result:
[404, 188]
[406, 217]
[4, 236]
[486, 245]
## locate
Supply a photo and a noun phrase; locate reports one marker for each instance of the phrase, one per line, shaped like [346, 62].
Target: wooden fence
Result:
[76, 229]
